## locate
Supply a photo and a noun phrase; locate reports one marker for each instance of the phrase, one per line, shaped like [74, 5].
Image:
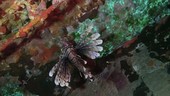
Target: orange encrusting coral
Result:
[45, 19]
[128, 43]
[40, 53]
[25, 29]
[38, 19]
[3, 29]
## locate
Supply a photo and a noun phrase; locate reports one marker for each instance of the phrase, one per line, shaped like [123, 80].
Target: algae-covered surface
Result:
[84, 47]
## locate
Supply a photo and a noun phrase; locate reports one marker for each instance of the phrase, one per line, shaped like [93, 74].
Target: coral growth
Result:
[37, 34]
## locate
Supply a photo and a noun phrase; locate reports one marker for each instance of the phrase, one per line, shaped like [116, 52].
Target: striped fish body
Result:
[75, 59]
[89, 45]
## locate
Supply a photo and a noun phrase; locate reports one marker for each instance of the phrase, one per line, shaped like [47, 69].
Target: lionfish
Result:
[88, 45]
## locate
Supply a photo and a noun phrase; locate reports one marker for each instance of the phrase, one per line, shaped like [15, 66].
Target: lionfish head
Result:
[64, 42]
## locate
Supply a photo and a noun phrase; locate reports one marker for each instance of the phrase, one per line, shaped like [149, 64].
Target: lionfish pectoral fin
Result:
[90, 46]
[85, 62]
[63, 74]
[88, 75]
[53, 70]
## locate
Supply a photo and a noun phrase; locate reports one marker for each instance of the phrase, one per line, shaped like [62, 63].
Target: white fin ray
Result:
[91, 54]
[94, 48]
[94, 36]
